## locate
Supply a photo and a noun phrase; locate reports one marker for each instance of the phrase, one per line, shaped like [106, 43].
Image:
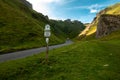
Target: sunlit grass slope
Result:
[114, 9]
[84, 60]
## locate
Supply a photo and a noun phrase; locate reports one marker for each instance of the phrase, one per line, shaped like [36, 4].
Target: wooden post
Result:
[47, 49]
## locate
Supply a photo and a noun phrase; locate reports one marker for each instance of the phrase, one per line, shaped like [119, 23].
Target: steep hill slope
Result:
[21, 27]
[90, 31]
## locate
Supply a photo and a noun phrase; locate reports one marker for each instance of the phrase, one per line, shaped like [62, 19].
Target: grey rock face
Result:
[27, 3]
[107, 24]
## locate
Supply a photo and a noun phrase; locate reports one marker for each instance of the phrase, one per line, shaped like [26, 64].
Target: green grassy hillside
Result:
[21, 27]
[84, 60]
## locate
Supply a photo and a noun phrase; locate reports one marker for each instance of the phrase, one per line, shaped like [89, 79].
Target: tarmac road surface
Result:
[25, 53]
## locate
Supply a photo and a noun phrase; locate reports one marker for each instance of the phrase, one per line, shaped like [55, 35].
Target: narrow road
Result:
[25, 53]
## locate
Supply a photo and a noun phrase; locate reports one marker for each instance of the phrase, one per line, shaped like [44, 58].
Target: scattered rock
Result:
[106, 65]
[63, 51]
[111, 54]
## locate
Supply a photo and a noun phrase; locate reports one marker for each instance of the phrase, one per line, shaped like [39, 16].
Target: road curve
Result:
[25, 53]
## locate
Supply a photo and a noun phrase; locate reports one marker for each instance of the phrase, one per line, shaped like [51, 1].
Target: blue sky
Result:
[82, 10]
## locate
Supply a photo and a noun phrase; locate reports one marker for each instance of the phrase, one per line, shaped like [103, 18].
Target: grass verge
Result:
[85, 60]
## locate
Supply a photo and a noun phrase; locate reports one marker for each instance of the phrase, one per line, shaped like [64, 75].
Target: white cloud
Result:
[92, 8]
[44, 1]
[49, 1]
[43, 6]
[47, 6]
[95, 8]
[93, 11]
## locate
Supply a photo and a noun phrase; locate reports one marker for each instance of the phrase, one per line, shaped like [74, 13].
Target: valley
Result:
[93, 55]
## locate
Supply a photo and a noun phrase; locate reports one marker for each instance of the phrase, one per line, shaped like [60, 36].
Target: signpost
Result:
[47, 34]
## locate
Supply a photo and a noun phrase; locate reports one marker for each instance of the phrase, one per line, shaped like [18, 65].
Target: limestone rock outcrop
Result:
[107, 24]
